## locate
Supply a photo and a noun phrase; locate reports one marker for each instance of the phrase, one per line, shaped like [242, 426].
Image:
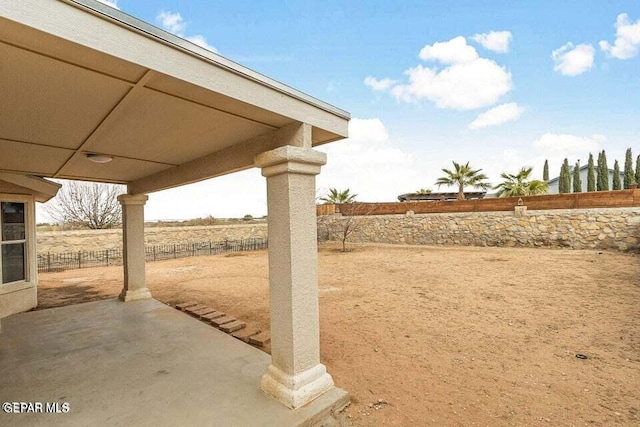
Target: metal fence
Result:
[48, 262]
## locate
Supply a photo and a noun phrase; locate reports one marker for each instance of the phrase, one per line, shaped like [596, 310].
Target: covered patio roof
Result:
[79, 78]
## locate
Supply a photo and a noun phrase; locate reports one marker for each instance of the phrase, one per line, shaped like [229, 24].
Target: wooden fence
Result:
[49, 261]
[594, 199]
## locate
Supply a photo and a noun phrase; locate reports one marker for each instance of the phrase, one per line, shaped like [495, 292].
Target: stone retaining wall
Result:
[617, 228]
[96, 240]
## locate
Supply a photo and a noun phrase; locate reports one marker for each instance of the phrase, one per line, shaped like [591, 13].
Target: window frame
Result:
[29, 241]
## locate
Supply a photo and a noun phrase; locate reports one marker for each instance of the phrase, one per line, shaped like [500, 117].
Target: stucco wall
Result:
[94, 240]
[580, 229]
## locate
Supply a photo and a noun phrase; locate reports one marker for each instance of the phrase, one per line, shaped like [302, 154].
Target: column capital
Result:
[290, 159]
[133, 199]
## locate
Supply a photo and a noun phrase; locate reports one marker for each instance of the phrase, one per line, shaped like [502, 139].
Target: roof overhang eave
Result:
[190, 48]
[43, 190]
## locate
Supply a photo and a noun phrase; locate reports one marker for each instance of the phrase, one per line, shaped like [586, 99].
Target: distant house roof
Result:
[412, 197]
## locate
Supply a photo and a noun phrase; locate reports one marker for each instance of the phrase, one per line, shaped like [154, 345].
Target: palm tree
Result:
[336, 196]
[463, 176]
[517, 184]
[537, 187]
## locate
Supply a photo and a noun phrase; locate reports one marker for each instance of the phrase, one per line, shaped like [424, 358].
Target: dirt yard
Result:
[440, 336]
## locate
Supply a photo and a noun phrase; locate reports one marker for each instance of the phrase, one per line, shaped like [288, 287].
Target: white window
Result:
[13, 253]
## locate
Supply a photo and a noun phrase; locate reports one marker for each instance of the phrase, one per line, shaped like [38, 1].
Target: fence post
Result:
[193, 249]
[79, 259]
[107, 257]
[154, 252]
[209, 247]
[48, 261]
[174, 251]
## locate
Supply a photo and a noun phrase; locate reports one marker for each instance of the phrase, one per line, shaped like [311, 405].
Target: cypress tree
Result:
[591, 175]
[605, 172]
[616, 176]
[638, 170]
[545, 171]
[567, 176]
[629, 177]
[599, 172]
[577, 181]
[561, 180]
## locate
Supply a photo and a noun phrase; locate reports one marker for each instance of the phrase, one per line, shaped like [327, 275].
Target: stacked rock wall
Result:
[617, 228]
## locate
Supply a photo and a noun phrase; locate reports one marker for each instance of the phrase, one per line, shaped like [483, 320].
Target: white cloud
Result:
[463, 86]
[627, 43]
[172, 22]
[367, 130]
[369, 163]
[497, 116]
[454, 51]
[573, 60]
[175, 23]
[112, 3]
[465, 81]
[500, 161]
[511, 155]
[376, 84]
[568, 145]
[497, 41]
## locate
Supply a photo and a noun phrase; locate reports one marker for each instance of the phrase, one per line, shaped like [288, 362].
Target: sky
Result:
[426, 83]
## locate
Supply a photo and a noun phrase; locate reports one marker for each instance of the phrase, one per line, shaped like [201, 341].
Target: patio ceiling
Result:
[79, 77]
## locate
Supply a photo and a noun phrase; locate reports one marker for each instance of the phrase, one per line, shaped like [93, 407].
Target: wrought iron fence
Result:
[48, 262]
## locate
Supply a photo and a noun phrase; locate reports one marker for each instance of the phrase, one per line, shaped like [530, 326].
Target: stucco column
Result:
[135, 287]
[295, 376]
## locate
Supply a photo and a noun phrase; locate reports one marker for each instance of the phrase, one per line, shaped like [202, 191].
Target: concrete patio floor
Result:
[139, 364]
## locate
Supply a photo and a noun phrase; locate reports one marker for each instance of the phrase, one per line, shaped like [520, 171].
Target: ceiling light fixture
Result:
[98, 158]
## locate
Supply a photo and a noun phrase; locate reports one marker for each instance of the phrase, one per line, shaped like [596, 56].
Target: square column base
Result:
[297, 390]
[134, 295]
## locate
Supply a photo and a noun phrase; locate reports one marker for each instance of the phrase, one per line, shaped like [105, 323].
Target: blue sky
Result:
[499, 86]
